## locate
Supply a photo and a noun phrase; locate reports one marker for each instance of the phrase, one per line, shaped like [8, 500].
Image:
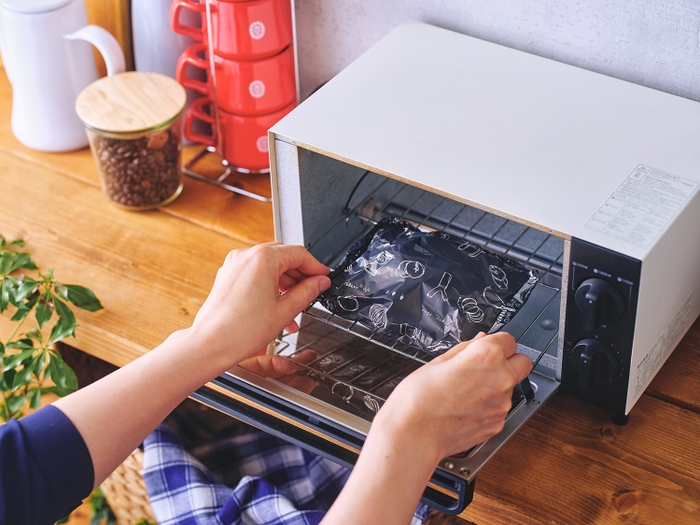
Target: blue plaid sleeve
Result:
[253, 478]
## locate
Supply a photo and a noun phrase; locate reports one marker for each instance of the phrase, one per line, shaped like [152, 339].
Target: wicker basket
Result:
[126, 493]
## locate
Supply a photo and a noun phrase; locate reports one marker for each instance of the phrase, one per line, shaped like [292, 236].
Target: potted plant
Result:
[30, 366]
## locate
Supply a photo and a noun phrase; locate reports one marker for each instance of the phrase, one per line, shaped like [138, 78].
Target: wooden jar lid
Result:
[130, 102]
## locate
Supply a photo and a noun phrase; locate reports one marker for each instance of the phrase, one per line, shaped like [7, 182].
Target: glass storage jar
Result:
[134, 124]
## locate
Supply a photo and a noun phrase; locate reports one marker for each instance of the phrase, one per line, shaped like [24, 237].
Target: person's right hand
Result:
[449, 405]
[456, 401]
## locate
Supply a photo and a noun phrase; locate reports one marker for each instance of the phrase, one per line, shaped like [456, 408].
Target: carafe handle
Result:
[106, 44]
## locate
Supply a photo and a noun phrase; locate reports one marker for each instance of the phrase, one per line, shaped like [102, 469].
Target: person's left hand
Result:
[257, 293]
[283, 369]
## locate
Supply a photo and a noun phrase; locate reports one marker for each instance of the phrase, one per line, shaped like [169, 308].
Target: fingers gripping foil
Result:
[429, 290]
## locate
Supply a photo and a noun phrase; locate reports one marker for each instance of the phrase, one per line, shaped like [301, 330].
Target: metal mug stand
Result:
[220, 181]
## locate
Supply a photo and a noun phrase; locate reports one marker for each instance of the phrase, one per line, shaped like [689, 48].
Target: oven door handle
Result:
[446, 504]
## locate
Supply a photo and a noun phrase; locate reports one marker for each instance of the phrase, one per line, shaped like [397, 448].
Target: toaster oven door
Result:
[321, 387]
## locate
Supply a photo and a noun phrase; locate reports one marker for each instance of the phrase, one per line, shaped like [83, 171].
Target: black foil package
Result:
[428, 290]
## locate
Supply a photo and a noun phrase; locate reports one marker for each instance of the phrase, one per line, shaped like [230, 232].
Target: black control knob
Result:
[594, 362]
[600, 303]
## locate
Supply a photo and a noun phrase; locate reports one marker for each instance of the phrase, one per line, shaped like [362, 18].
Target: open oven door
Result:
[321, 387]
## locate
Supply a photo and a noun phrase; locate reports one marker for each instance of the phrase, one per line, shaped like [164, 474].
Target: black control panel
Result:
[601, 309]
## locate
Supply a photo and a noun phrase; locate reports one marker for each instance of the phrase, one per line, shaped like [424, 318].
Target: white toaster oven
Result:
[590, 180]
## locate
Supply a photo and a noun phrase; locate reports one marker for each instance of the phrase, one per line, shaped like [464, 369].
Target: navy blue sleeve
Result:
[45, 468]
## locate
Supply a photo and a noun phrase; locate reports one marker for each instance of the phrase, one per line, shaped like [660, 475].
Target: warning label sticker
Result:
[641, 207]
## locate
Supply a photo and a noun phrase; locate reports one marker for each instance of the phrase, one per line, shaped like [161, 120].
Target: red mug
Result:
[247, 30]
[244, 138]
[243, 87]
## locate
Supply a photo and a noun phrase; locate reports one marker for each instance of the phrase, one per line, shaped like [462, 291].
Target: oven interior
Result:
[344, 364]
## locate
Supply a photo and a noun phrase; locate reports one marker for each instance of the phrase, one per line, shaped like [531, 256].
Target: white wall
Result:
[655, 43]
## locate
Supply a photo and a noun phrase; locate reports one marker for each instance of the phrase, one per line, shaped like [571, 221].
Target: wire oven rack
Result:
[535, 249]
[535, 327]
[353, 376]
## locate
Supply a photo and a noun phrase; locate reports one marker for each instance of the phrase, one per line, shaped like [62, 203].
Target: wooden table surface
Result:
[153, 270]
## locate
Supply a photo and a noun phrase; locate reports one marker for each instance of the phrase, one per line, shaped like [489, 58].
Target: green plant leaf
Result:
[27, 286]
[64, 311]
[8, 377]
[16, 242]
[12, 284]
[56, 374]
[35, 398]
[21, 313]
[10, 261]
[100, 509]
[23, 377]
[33, 335]
[71, 378]
[22, 260]
[82, 297]
[60, 392]
[61, 291]
[16, 402]
[6, 260]
[41, 362]
[24, 309]
[62, 374]
[4, 294]
[61, 330]
[15, 360]
[22, 343]
[43, 312]
[66, 324]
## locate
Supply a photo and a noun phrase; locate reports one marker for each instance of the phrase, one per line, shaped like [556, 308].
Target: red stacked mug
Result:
[253, 60]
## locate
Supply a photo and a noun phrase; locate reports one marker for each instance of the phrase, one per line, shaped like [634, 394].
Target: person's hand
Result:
[257, 293]
[456, 401]
[242, 314]
[283, 369]
[449, 405]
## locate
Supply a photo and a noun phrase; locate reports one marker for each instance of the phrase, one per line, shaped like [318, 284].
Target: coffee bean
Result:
[158, 140]
[141, 172]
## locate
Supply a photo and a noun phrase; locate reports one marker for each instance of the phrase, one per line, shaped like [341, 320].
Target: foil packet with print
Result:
[426, 289]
